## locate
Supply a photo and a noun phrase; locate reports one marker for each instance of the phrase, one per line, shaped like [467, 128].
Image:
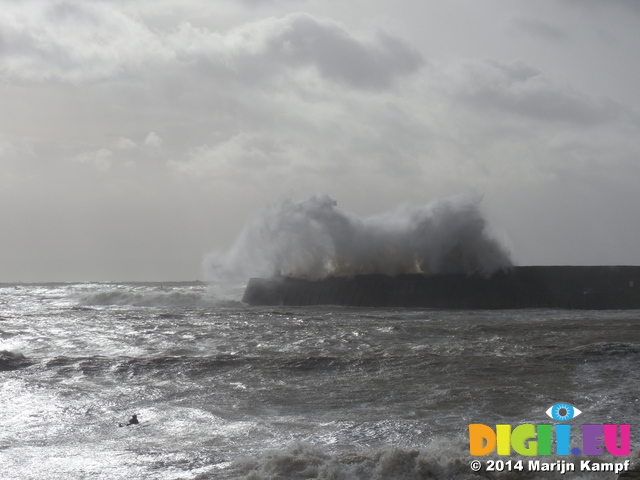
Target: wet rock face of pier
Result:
[576, 287]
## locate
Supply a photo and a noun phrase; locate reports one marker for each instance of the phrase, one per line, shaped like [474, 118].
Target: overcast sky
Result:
[137, 137]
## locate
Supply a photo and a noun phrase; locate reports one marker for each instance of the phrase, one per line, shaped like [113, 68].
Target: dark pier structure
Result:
[576, 287]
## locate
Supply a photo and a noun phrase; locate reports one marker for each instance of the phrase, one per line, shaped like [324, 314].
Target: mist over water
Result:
[314, 239]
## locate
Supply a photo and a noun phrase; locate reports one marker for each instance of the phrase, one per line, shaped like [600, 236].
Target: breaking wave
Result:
[302, 460]
[438, 461]
[313, 239]
[150, 299]
[11, 360]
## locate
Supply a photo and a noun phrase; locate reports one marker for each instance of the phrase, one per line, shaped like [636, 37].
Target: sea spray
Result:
[313, 239]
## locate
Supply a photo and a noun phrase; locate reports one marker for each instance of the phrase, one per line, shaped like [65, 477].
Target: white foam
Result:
[441, 459]
[313, 239]
[148, 299]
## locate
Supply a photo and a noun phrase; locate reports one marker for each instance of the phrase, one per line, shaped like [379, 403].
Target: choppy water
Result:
[227, 391]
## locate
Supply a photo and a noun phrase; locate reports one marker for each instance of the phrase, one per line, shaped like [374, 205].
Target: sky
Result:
[136, 138]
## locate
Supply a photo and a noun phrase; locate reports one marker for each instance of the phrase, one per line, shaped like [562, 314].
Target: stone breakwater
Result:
[575, 287]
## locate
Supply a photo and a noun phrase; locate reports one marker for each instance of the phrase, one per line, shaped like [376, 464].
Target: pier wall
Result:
[576, 287]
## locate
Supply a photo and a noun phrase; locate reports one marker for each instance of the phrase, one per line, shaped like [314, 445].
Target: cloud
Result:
[213, 117]
[153, 140]
[300, 40]
[632, 6]
[240, 158]
[540, 29]
[79, 42]
[519, 89]
[468, 124]
[72, 42]
[100, 159]
[6, 148]
[124, 143]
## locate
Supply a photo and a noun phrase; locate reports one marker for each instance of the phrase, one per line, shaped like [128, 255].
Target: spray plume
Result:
[312, 239]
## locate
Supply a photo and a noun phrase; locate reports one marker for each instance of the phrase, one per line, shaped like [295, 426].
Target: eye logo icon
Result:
[531, 440]
[562, 412]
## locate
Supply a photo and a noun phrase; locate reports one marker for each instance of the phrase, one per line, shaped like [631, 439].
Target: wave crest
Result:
[150, 299]
[11, 360]
[302, 460]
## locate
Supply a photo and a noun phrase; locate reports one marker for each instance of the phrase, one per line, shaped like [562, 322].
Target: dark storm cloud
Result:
[300, 40]
[267, 48]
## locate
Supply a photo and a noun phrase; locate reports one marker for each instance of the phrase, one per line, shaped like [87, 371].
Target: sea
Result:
[223, 390]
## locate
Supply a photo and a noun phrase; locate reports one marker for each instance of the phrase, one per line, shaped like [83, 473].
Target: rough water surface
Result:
[227, 391]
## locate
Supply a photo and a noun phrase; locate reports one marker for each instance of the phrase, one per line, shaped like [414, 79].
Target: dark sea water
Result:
[226, 391]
